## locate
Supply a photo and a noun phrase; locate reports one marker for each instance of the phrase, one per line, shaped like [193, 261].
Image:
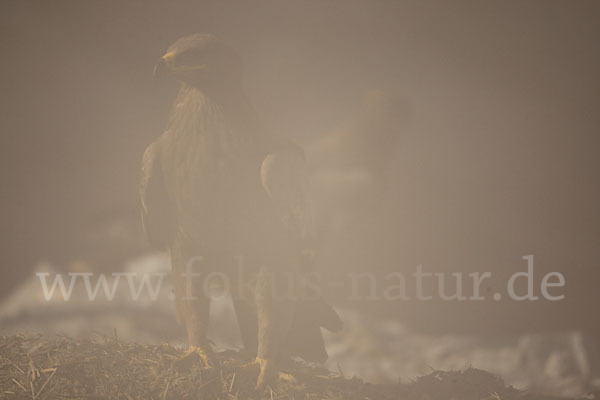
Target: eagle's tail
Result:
[305, 339]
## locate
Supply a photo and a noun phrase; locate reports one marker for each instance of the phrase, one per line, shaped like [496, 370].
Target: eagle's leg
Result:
[196, 325]
[191, 303]
[275, 296]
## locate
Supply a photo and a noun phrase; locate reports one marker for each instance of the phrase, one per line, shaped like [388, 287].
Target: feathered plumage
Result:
[215, 184]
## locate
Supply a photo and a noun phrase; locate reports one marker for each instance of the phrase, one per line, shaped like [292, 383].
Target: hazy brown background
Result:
[501, 159]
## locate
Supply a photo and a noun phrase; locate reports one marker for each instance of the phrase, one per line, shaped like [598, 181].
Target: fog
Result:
[491, 146]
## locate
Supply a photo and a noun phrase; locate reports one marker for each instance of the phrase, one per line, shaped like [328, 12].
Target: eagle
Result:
[217, 187]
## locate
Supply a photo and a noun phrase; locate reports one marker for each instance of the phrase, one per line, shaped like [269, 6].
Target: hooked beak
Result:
[161, 68]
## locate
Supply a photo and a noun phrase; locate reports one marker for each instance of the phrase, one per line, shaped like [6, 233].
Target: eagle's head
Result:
[201, 60]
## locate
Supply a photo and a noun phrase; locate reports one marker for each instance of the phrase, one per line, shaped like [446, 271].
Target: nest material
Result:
[108, 368]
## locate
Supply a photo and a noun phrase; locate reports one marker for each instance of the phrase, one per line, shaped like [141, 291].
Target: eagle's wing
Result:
[284, 177]
[158, 212]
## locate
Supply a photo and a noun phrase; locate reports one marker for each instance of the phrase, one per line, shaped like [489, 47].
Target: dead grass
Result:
[107, 368]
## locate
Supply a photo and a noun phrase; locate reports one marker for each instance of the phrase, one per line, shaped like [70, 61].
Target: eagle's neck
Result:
[211, 130]
[197, 112]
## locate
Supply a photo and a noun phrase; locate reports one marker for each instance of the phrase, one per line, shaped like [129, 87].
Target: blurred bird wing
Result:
[284, 176]
[158, 213]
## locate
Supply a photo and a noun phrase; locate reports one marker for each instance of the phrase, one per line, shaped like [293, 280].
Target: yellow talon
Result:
[267, 374]
[204, 353]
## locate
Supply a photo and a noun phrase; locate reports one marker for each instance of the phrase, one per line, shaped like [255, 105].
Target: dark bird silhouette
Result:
[216, 185]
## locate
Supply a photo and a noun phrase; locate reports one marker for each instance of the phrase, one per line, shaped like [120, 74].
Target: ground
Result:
[101, 367]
